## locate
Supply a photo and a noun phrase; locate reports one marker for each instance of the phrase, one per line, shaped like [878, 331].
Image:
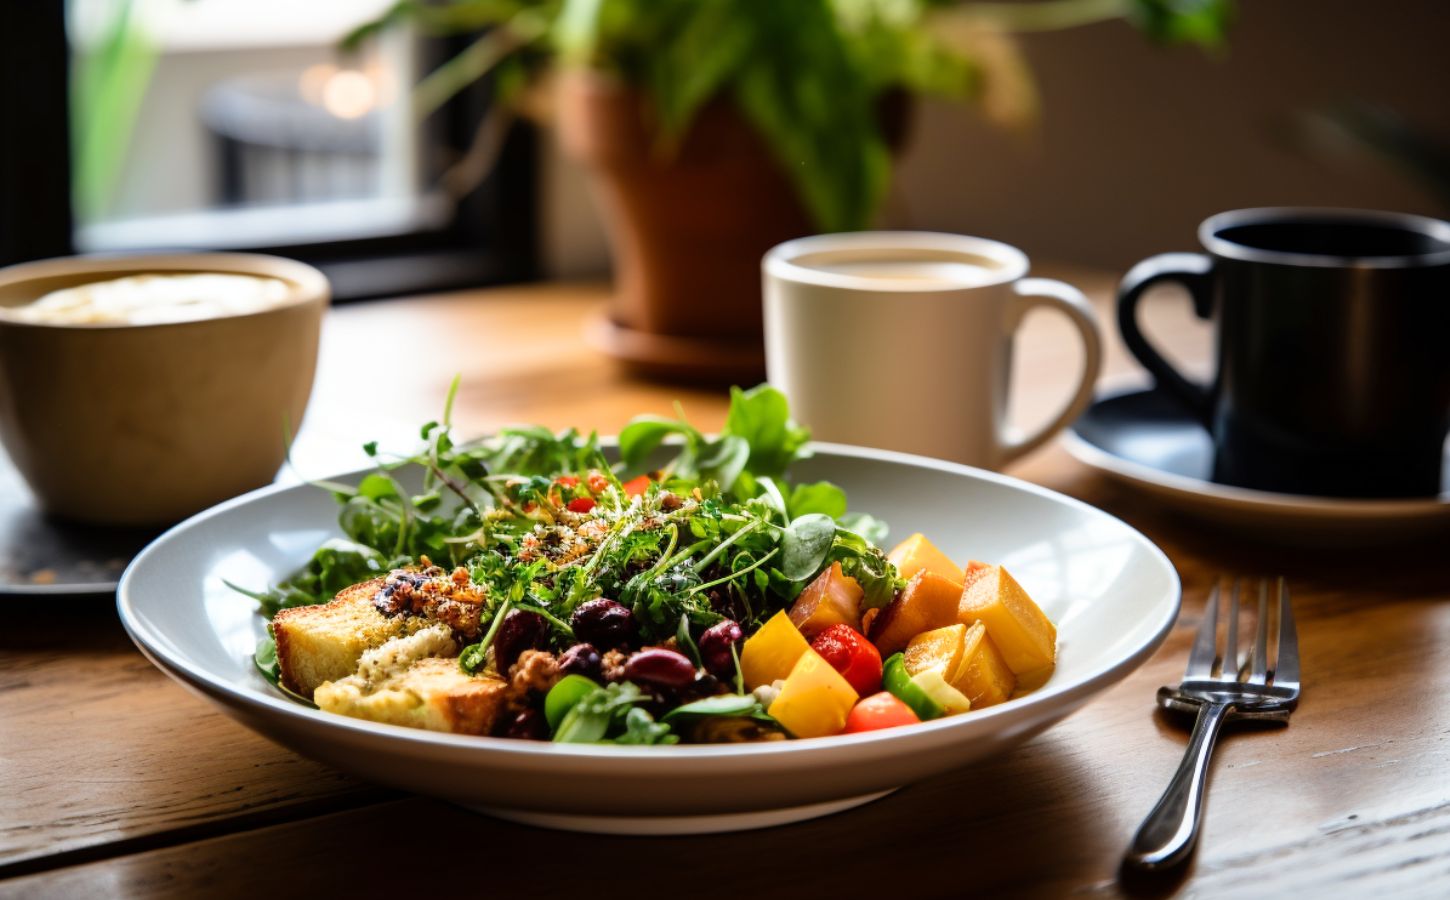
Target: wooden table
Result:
[115, 780]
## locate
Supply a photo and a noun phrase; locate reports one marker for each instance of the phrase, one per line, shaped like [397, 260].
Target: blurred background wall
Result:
[1188, 135]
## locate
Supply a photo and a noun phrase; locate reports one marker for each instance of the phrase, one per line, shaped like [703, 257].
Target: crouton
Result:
[432, 693]
[324, 643]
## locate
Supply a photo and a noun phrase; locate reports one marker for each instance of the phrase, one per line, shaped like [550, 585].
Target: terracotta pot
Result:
[688, 229]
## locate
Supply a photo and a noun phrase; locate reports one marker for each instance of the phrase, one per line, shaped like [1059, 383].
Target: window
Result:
[238, 124]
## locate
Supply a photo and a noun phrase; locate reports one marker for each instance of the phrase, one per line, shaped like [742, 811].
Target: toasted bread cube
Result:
[928, 601]
[324, 643]
[1018, 627]
[982, 674]
[432, 693]
[917, 554]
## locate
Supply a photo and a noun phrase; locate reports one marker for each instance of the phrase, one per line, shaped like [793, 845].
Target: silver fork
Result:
[1219, 687]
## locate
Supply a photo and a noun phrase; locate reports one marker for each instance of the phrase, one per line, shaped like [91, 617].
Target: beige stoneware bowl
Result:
[146, 424]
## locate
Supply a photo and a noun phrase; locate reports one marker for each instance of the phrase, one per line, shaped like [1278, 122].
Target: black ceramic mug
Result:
[1333, 348]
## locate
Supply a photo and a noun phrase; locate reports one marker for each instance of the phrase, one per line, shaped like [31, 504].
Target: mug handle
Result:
[1035, 292]
[1195, 272]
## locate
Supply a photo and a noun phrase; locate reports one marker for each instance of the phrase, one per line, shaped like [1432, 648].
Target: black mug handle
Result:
[1195, 272]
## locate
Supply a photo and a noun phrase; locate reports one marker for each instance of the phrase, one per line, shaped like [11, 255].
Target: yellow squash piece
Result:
[917, 554]
[928, 601]
[983, 674]
[1017, 626]
[940, 648]
[815, 699]
[771, 652]
[966, 659]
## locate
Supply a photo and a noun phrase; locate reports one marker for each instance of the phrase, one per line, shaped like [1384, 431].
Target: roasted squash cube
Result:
[928, 601]
[834, 598]
[917, 554]
[815, 699]
[982, 674]
[771, 652]
[1017, 626]
[940, 648]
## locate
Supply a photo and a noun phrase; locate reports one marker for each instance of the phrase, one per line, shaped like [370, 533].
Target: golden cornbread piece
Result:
[324, 643]
[1017, 626]
[432, 693]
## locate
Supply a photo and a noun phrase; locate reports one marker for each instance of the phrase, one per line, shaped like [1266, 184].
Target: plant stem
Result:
[734, 575]
[1048, 15]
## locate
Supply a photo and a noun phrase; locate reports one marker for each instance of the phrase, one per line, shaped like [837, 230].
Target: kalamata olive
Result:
[520, 630]
[604, 623]
[528, 725]
[715, 646]
[581, 659]
[660, 668]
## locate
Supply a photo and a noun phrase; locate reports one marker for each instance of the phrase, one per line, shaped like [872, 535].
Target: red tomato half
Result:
[881, 710]
[849, 653]
[581, 504]
[636, 486]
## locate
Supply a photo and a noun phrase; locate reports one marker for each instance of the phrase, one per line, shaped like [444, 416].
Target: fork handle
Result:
[1169, 832]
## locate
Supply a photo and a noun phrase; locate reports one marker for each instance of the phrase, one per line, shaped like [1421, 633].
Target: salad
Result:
[689, 592]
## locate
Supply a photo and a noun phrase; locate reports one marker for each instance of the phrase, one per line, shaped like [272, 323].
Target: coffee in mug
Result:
[903, 340]
[1332, 364]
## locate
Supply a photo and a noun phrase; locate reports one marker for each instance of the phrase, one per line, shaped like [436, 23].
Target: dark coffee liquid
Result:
[1337, 240]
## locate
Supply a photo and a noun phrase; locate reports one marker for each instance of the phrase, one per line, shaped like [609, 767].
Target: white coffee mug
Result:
[903, 340]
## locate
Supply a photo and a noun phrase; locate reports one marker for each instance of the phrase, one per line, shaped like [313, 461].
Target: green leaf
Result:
[641, 728]
[720, 705]
[591, 718]
[806, 545]
[761, 417]
[643, 434]
[819, 497]
[266, 658]
[868, 526]
[1202, 22]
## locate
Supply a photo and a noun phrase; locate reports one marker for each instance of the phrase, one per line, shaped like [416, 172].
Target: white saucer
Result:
[1143, 439]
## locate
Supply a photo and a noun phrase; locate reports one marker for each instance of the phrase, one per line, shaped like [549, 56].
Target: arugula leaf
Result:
[641, 728]
[806, 545]
[761, 417]
[265, 658]
[720, 705]
[820, 497]
[608, 711]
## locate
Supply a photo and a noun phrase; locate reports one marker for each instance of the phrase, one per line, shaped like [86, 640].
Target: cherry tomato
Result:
[636, 486]
[597, 483]
[879, 711]
[849, 653]
[581, 504]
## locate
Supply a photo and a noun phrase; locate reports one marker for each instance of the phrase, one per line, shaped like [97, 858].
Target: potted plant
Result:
[714, 129]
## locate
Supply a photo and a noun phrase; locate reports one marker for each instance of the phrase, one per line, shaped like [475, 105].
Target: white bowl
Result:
[1112, 593]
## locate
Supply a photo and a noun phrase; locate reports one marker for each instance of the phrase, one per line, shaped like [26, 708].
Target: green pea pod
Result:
[898, 681]
[563, 696]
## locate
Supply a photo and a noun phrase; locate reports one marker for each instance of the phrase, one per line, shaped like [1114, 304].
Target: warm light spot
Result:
[314, 81]
[349, 94]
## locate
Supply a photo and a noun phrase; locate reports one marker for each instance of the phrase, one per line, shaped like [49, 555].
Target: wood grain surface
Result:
[117, 781]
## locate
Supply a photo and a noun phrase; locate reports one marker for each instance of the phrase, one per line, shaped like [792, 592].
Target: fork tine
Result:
[1230, 667]
[1205, 643]
[1286, 665]
[1259, 657]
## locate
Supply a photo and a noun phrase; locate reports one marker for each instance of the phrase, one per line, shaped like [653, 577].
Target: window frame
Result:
[490, 236]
